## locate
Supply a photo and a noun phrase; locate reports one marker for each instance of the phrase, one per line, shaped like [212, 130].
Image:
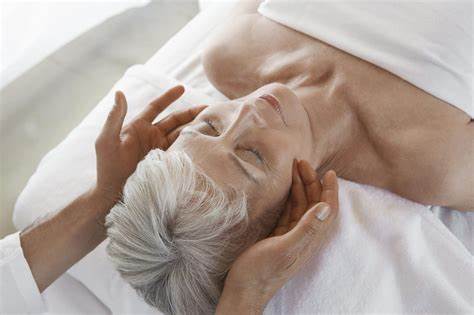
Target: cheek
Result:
[280, 182]
[285, 148]
[268, 202]
[302, 141]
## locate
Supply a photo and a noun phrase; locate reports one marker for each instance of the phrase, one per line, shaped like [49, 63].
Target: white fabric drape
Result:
[428, 44]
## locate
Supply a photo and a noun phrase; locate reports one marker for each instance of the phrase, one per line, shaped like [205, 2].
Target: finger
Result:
[310, 181]
[330, 190]
[158, 105]
[298, 195]
[172, 136]
[283, 221]
[114, 121]
[310, 231]
[292, 225]
[178, 118]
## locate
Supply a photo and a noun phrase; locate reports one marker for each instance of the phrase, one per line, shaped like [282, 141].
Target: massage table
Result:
[80, 290]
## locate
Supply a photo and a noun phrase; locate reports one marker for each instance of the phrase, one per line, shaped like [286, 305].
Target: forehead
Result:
[231, 104]
[214, 161]
[222, 108]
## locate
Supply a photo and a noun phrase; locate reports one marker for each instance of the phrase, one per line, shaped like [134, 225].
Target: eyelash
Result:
[257, 153]
[254, 151]
[209, 123]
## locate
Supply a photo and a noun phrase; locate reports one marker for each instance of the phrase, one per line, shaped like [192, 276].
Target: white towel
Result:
[387, 255]
[429, 44]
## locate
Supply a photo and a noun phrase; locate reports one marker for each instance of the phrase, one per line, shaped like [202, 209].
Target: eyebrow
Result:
[232, 156]
[239, 164]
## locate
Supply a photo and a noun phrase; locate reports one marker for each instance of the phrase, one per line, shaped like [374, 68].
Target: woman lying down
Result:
[188, 212]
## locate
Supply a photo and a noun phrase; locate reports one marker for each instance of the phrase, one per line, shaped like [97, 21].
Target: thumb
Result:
[311, 230]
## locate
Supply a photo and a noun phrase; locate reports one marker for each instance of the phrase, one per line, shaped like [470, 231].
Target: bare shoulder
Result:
[436, 166]
[230, 56]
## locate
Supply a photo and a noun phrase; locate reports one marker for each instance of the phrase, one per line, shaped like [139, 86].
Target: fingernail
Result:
[323, 211]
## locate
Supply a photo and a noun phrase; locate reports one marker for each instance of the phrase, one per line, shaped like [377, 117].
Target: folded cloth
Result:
[460, 223]
[428, 44]
[386, 255]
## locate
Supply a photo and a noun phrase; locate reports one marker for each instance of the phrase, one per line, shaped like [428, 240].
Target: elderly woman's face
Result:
[250, 144]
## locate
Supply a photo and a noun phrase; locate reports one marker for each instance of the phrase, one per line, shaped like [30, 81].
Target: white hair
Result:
[176, 233]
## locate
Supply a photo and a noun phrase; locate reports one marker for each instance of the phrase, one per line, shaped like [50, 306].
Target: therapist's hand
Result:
[300, 234]
[52, 244]
[119, 149]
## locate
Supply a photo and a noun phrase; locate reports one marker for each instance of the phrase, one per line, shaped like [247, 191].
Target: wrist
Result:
[236, 300]
[102, 200]
[99, 204]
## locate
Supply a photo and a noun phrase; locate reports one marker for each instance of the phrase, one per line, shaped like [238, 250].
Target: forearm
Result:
[51, 245]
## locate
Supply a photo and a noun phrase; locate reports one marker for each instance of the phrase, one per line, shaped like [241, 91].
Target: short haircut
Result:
[176, 233]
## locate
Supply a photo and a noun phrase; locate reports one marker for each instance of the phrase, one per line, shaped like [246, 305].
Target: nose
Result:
[246, 118]
[282, 92]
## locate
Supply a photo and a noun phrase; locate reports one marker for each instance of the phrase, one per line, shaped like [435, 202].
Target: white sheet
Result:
[68, 169]
[429, 44]
[68, 296]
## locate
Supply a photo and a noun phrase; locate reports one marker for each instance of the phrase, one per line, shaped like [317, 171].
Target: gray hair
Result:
[176, 233]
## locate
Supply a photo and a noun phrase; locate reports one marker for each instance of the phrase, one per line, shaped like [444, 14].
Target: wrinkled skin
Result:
[250, 131]
[368, 125]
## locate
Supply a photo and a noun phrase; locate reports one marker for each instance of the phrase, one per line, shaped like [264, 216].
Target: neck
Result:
[333, 124]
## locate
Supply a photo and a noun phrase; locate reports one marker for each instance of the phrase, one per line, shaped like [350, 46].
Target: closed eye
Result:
[251, 155]
[255, 153]
[212, 126]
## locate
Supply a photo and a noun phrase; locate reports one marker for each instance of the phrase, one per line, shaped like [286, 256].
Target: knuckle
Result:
[128, 144]
[311, 229]
[313, 186]
[309, 177]
[163, 143]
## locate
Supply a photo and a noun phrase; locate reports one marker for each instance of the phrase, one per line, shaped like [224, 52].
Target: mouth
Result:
[274, 103]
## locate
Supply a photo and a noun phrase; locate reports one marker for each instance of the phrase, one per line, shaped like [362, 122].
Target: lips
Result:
[270, 99]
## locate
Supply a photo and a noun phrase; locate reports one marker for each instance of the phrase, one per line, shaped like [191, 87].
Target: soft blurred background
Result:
[58, 59]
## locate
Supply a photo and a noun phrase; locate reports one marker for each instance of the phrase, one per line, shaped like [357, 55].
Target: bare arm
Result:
[442, 173]
[54, 243]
